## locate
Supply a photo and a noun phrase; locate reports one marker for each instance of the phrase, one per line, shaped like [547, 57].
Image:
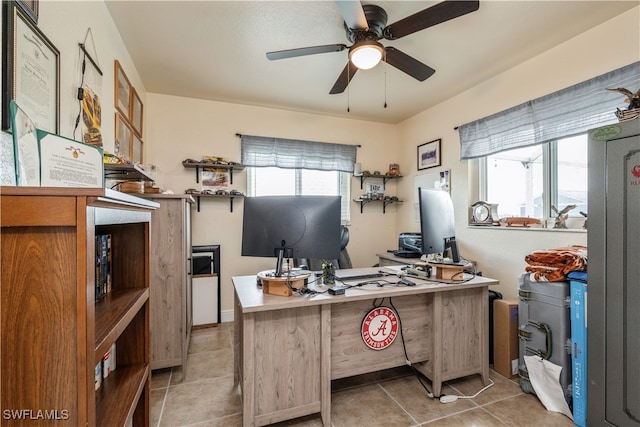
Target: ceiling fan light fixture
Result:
[366, 54]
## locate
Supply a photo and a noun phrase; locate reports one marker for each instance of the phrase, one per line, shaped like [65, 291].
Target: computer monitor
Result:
[437, 223]
[291, 227]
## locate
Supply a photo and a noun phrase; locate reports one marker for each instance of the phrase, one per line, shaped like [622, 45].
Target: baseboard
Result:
[226, 316]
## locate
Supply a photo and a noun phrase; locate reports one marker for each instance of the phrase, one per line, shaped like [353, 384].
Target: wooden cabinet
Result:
[171, 315]
[54, 333]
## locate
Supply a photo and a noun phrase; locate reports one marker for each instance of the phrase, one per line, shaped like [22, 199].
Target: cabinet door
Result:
[187, 305]
[622, 278]
[168, 272]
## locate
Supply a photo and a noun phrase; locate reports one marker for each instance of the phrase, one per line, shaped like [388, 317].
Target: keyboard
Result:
[360, 276]
[459, 263]
[406, 254]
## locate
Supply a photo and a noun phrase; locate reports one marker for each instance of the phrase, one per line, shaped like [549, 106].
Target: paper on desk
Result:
[545, 379]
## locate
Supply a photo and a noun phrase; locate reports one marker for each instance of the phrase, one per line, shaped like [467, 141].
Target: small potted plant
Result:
[328, 273]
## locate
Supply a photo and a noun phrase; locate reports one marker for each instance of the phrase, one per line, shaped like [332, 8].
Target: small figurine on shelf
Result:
[561, 218]
[328, 273]
[633, 109]
[632, 98]
[584, 214]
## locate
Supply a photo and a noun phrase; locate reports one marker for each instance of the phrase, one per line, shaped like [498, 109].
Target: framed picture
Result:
[123, 138]
[429, 154]
[137, 149]
[136, 112]
[30, 8]
[31, 71]
[123, 91]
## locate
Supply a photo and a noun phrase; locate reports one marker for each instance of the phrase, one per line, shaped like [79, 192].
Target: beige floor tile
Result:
[200, 401]
[414, 399]
[308, 421]
[206, 364]
[502, 388]
[209, 340]
[373, 377]
[526, 410]
[160, 378]
[156, 401]
[473, 418]
[368, 406]
[228, 421]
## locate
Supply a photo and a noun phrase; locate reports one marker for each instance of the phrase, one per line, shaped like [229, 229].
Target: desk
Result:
[389, 258]
[288, 349]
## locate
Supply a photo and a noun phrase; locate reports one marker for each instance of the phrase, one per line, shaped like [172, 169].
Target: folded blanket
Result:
[553, 265]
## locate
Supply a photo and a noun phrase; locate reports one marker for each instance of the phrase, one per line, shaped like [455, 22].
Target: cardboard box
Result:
[505, 337]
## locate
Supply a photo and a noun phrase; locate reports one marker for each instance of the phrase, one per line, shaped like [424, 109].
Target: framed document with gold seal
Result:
[483, 213]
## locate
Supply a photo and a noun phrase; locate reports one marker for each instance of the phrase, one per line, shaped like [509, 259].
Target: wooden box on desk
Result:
[283, 285]
[446, 271]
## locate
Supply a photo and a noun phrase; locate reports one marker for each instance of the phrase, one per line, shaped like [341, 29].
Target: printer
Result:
[409, 245]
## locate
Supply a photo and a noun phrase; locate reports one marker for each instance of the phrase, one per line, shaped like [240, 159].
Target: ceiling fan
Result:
[366, 24]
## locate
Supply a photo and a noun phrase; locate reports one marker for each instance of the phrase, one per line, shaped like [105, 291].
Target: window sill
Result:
[529, 228]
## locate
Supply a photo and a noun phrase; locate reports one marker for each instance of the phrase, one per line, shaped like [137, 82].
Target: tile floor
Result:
[204, 395]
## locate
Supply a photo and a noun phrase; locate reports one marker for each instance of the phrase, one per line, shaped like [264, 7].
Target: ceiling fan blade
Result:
[353, 14]
[303, 51]
[429, 17]
[343, 80]
[407, 64]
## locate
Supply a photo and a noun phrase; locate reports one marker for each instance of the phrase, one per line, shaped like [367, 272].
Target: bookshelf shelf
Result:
[114, 313]
[124, 385]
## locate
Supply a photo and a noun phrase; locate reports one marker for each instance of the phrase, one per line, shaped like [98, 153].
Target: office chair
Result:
[344, 261]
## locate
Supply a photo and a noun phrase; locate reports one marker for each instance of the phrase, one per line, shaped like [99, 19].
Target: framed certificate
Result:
[31, 71]
[69, 163]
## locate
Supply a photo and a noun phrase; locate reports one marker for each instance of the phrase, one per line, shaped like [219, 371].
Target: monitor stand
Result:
[281, 253]
[451, 250]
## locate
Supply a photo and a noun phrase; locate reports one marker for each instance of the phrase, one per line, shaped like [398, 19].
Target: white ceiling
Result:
[215, 50]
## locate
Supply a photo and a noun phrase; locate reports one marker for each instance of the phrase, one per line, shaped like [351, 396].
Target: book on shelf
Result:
[103, 266]
[106, 366]
[98, 375]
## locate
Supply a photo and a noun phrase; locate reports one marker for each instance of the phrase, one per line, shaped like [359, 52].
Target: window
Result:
[274, 181]
[529, 181]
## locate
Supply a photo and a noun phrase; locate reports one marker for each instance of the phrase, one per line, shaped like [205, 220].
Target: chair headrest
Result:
[344, 236]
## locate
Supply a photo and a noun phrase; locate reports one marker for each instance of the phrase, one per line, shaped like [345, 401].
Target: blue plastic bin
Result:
[578, 286]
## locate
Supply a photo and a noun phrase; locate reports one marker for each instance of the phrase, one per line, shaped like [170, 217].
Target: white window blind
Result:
[260, 151]
[568, 112]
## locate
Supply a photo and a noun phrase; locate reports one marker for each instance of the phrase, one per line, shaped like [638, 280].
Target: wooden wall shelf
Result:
[385, 178]
[125, 172]
[198, 166]
[384, 203]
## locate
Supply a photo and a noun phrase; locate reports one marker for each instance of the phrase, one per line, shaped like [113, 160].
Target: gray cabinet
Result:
[613, 348]
[169, 263]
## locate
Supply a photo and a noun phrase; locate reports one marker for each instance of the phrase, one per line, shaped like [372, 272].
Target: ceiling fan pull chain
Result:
[348, 98]
[385, 79]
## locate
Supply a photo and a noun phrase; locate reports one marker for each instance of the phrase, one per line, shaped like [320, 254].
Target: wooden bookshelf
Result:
[53, 331]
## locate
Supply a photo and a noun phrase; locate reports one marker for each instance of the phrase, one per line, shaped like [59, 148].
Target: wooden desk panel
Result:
[350, 355]
[288, 349]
